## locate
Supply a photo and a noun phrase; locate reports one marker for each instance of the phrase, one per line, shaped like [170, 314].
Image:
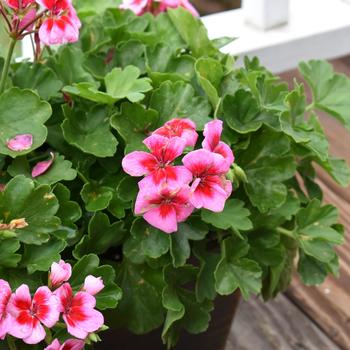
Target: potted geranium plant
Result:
[142, 175]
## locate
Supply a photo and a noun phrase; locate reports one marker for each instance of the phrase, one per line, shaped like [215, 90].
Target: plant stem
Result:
[5, 71]
[285, 232]
[11, 343]
[82, 177]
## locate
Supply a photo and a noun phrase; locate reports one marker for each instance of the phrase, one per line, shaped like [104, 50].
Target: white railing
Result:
[315, 29]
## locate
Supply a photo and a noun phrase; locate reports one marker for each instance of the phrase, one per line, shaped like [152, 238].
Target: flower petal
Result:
[42, 167]
[93, 285]
[223, 149]
[163, 218]
[73, 344]
[212, 134]
[47, 307]
[38, 333]
[21, 142]
[55, 345]
[139, 163]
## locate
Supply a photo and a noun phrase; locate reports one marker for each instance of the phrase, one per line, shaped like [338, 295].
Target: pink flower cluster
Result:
[139, 7]
[24, 317]
[169, 193]
[57, 23]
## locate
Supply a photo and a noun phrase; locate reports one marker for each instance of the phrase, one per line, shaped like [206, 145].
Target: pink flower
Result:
[42, 167]
[60, 272]
[71, 344]
[136, 6]
[163, 207]
[15, 4]
[2, 187]
[21, 142]
[62, 25]
[210, 189]
[184, 128]
[212, 134]
[27, 19]
[79, 312]
[5, 319]
[28, 314]
[159, 163]
[93, 285]
[165, 4]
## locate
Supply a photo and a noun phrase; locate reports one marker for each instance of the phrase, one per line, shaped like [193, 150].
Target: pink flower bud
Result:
[2, 187]
[43, 167]
[70, 344]
[93, 285]
[20, 143]
[60, 272]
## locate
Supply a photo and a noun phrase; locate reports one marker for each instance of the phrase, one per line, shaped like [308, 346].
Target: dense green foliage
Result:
[92, 102]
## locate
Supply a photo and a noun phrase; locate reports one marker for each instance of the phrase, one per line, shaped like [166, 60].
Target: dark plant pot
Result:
[213, 339]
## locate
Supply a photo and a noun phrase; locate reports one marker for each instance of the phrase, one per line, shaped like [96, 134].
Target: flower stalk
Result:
[6, 68]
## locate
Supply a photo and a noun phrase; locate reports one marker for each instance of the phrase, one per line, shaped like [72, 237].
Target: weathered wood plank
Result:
[329, 304]
[276, 325]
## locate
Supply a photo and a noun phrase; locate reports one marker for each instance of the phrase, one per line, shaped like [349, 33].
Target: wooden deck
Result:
[312, 318]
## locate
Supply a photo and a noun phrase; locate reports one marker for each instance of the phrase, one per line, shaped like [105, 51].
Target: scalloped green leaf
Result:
[22, 112]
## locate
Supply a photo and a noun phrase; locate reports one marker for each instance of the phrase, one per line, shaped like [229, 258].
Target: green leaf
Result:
[267, 164]
[242, 114]
[60, 169]
[234, 216]
[193, 32]
[316, 231]
[96, 197]
[8, 249]
[178, 100]
[141, 309]
[120, 84]
[311, 271]
[180, 249]
[39, 258]
[22, 112]
[133, 124]
[331, 91]
[234, 271]
[209, 74]
[37, 205]
[111, 294]
[37, 77]
[101, 236]
[89, 131]
[338, 169]
[145, 241]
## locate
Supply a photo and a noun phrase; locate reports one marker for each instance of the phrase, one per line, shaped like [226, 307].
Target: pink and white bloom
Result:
[19, 4]
[21, 142]
[71, 344]
[212, 141]
[210, 189]
[163, 207]
[158, 164]
[5, 318]
[93, 285]
[42, 167]
[165, 4]
[62, 24]
[139, 7]
[184, 128]
[60, 273]
[29, 315]
[79, 312]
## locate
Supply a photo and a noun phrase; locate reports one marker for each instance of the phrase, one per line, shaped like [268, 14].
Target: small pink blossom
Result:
[166, 4]
[5, 318]
[2, 187]
[71, 344]
[42, 167]
[19, 143]
[19, 4]
[60, 273]
[184, 128]
[27, 21]
[29, 315]
[212, 134]
[62, 24]
[158, 164]
[79, 312]
[137, 6]
[163, 207]
[93, 285]
[210, 189]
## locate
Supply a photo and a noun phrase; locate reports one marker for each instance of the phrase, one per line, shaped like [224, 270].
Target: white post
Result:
[266, 14]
